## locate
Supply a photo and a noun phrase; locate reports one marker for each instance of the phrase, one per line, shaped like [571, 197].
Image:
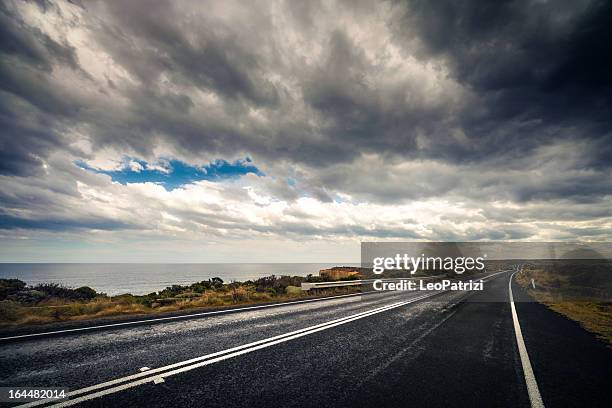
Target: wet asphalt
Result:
[451, 350]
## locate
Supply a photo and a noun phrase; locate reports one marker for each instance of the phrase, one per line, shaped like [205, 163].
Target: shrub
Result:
[201, 287]
[314, 279]
[62, 292]
[10, 286]
[277, 283]
[86, 292]
[53, 290]
[28, 297]
[172, 291]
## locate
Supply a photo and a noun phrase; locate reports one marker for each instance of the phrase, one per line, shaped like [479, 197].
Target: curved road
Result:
[380, 349]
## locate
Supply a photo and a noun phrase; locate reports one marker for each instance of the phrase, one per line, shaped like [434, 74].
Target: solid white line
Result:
[187, 365]
[224, 357]
[532, 385]
[186, 316]
[153, 375]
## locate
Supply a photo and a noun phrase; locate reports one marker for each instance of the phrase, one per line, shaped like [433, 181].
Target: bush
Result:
[201, 287]
[28, 297]
[86, 292]
[10, 286]
[55, 290]
[172, 291]
[315, 279]
[278, 284]
[216, 282]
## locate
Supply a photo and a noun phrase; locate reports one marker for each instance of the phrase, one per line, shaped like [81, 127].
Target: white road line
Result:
[151, 375]
[532, 385]
[156, 374]
[226, 356]
[187, 316]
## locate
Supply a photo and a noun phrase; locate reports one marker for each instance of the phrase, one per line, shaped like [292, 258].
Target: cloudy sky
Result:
[224, 131]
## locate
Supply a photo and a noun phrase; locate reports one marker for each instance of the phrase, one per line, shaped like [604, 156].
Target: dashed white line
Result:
[154, 375]
[157, 375]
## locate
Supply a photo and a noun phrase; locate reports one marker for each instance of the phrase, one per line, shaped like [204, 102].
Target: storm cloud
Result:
[392, 119]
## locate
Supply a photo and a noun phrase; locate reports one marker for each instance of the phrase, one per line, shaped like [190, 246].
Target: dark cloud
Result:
[386, 102]
[360, 114]
[8, 222]
[535, 70]
[539, 69]
[30, 44]
[193, 50]
[25, 138]
[31, 106]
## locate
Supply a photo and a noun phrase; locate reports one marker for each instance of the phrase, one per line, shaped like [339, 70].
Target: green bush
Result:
[86, 292]
[10, 286]
[278, 283]
[53, 290]
[172, 291]
[28, 297]
[210, 284]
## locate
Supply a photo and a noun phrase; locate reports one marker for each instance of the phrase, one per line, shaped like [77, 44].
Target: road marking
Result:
[154, 375]
[187, 316]
[187, 365]
[532, 385]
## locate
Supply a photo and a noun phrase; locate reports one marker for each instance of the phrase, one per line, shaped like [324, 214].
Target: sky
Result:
[290, 131]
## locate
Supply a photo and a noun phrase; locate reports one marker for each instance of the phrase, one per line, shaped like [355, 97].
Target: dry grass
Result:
[556, 293]
[56, 310]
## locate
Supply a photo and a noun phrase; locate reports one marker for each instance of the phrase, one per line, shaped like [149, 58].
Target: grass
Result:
[560, 293]
[53, 310]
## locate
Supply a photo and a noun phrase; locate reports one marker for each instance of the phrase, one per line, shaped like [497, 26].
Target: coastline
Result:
[50, 304]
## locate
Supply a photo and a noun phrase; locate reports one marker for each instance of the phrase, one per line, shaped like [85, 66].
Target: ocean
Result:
[139, 279]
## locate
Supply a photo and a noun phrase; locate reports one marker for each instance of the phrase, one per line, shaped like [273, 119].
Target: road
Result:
[383, 349]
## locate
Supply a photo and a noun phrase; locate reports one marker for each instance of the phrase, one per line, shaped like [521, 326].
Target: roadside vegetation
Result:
[579, 290]
[21, 304]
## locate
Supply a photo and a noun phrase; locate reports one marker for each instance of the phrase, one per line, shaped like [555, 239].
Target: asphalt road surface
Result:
[389, 349]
